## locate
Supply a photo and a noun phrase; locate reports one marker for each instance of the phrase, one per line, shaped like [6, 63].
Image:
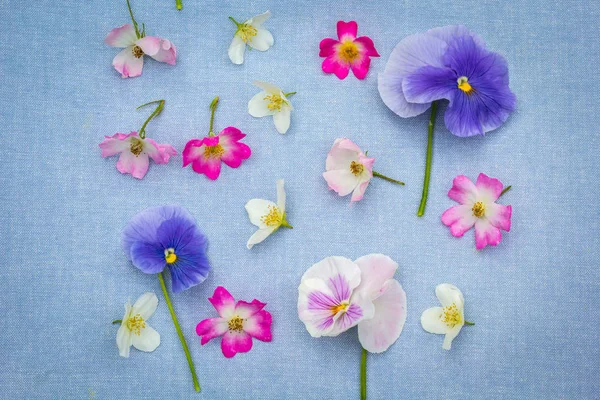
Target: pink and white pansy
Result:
[130, 61]
[135, 152]
[337, 293]
[238, 323]
[478, 208]
[349, 52]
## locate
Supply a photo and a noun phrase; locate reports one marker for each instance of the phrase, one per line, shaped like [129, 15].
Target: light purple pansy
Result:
[449, 63]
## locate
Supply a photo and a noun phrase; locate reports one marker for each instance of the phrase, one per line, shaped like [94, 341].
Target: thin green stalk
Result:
[213, 108]
[378, 175]
[179, 332]
[285, 223]
[178, 4]
[506, 189]
[428, 161]
[289, 94]
[117, 321]
[235, 22]
[135, 24]
[158, 110]
[469, 323]
[363, 375]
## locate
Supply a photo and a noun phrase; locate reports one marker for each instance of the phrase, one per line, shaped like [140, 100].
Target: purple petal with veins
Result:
[340, 288]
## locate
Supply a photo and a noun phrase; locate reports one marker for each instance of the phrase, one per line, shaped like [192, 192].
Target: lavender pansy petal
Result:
[148, 257]
[390, 90]
[189, 271]
[175, 233]
[449, 33]
[461, 116]
[429, 83]
[464, 57]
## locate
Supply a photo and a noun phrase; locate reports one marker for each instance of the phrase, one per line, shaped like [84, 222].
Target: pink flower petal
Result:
[332, 66]
[459, 218]
[166, 150]
[235, 342]
[342, 153]
[223, 302]
[211, 168]
[151, 148]
[327, 47]
[376, 270]
[167, 53]
[347, 30]
[115, 144]
[190, 153]
[463, 190]
[259, 326]
[150, 45]
[129, 163]
[211, 328]
[235, 152]
[245, 310]
[127, 64]
[368, 46]
[486, 234]
[123, 36]
[359, 191]
[367, 162]
[499, 215]
[489, 188]
[343, 182]
[360, 67]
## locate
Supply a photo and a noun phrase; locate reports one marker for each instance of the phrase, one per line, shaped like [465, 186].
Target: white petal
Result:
[259, 19]
[431, 321]
[262, 41]
[259, 236]
[282, 120]
[147, 340]
[376, 270]
[257, 208]
[267, 87]
[258, 105]
[281, 195]
[450, 335]
[333, 266]
[124, 339]
[380, 332]
[449, 294]
[236, 50]
[342, 181]
[145, 305]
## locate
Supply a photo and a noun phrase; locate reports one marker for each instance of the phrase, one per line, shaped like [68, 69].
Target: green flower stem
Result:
[135, 25]
[285, 223]
[377, 174]
[178, 4]
[117, 321]
[428, 161]
[289, 94]
[158, 110]
[235, 22]
[469, 323]
[363, 375]
[506, 189]
[179, 333]
[213, 108]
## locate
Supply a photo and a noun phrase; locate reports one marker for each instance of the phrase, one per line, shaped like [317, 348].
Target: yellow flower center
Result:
[137, 146]
[275, 102]
[136, 324]
[246, 32]
[478, 209]
[137, 51]
[464, 85]
[236, 324]
[356, 168]
[215, 151]
[348, 51]
[451, 316]
[170, 256]
[340, 307]
[273, 217]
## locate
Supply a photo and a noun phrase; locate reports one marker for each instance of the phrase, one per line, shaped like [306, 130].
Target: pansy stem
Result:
[363, 375]
[213, 108]
[135, 25]
[158, 110]
[506, 189]
[428, 160]
[387, 178]
[178, 4]
[179, 332]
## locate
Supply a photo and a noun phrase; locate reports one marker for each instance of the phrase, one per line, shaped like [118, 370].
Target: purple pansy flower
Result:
[167, 236]
[449, 63]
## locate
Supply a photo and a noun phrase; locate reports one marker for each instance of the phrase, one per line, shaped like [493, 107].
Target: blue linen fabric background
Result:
[534, 298]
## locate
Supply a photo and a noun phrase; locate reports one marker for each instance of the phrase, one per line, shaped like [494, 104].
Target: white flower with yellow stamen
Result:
[449, 319]
[271, 101]
[267, 215]
[251, 34]
[134, 329]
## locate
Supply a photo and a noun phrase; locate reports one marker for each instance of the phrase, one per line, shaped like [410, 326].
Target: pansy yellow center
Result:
[215, 151]
[273, 217]
[340, 307]
[136, 323]
[137, 146]
[170, 256]
[451, 316]
[478, 209]
[246, 32]
[348, 51]
[275, 102]
[464, 85]
[137, 51]
[236, 324]
[356, 168]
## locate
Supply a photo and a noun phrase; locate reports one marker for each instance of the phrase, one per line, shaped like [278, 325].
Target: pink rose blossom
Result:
[478, 207]
[349, 52]
[130, 61]
[238, 323]
[206, 154]
[134, 152]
